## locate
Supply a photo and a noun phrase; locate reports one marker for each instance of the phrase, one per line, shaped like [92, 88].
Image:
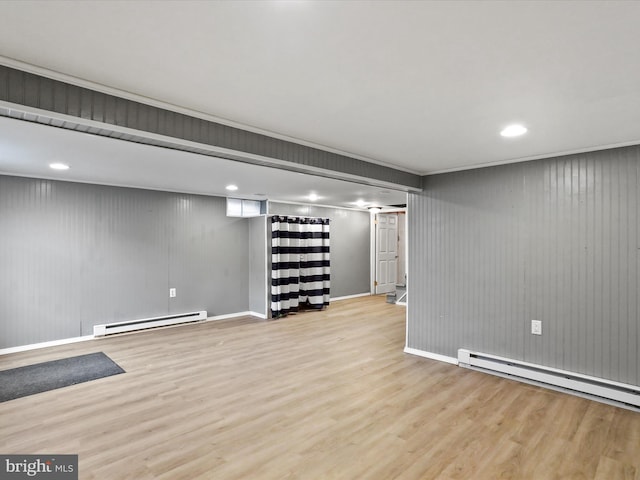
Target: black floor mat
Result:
[42, 377]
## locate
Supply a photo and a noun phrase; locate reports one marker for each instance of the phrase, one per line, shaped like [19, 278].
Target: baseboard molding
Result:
[432, 356]
[65, 341]
[53, 343]
[347, 297]
[227, 316]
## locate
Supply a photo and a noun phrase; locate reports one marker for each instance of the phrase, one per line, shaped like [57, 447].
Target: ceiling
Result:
[422, 86]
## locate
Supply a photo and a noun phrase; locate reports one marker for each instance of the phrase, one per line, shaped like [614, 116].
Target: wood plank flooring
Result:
[319, 395]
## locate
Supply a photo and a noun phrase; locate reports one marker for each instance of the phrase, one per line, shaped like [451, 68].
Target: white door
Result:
[386, 252]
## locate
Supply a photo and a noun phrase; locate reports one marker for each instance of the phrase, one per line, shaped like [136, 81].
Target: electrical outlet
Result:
[172, 292]
[536, 327]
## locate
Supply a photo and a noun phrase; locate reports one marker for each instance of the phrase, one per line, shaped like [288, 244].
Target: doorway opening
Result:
[389, 255]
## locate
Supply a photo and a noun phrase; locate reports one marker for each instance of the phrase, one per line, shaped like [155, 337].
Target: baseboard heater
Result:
[142, 324]
[607, 391]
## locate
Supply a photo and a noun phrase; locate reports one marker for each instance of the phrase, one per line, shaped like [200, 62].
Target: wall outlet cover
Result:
[536, 327]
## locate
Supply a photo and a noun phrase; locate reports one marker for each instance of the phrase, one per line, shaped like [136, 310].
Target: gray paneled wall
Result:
[258, 265]
[555, 240]
[74, 255]
[350, 245]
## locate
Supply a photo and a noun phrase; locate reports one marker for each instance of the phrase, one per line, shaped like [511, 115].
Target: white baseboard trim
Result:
[227, 316]
[347, 297]
[432, 356]
[65, 341]
[53, 343]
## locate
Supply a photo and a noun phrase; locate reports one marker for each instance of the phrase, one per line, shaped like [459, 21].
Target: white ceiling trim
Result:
[79, 82]
[536, 157]
[116, 184]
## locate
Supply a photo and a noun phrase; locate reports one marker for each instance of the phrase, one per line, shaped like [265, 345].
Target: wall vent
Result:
[142, 324]
[599, 389]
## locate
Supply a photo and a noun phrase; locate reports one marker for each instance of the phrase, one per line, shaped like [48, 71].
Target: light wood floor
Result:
[318, 395]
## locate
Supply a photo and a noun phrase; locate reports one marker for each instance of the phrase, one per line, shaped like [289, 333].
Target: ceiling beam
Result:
[34, 97]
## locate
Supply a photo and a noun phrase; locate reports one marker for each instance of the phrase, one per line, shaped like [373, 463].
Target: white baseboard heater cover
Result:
[620, 394]
[142, 324]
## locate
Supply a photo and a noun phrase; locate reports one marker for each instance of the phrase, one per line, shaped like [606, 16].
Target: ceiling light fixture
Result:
[375, 209]
[231, 188]
[513, 131]
[59, 166]
[360, 203]
[313, 197]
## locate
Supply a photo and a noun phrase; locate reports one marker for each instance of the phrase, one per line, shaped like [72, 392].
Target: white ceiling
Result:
[423, 86]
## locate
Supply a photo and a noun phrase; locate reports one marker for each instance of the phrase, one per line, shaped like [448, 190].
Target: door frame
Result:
[373, 246]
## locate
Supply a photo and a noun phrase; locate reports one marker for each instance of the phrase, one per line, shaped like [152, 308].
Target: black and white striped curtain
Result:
[300, 264]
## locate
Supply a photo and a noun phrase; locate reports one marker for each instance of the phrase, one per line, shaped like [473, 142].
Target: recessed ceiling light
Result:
[361, 203]
[59, 166]
[231, 188]
[375, 209]
[313, 197]
[513, 131]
